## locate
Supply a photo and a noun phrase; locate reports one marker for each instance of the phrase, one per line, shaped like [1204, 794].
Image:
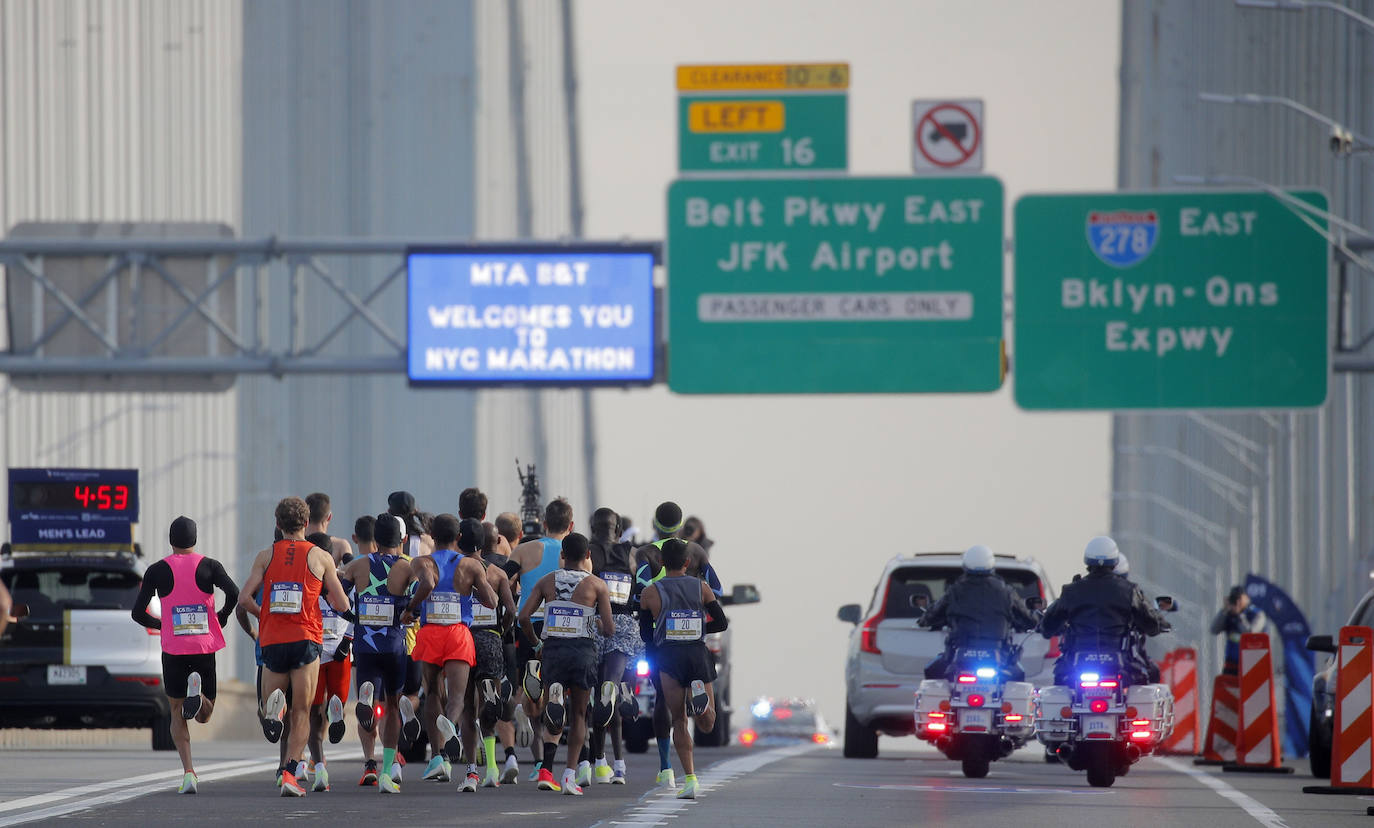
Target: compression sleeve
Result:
[158, 579]
[646, 626]
[718, 622]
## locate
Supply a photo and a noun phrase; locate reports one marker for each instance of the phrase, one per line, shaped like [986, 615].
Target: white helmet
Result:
[1101, 551]
[1123, 566]
[978, 559]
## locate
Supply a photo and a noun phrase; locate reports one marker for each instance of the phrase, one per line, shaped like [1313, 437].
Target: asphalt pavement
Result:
[790, 786]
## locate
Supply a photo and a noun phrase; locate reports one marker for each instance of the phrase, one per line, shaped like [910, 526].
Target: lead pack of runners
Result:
[468, 631]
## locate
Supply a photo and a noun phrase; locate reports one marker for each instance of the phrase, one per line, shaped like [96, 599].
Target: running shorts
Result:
[442, 643]
[571, 662]
[491, 656]
[685, 662]
[283, 658]
[176, 669]
[333, 681]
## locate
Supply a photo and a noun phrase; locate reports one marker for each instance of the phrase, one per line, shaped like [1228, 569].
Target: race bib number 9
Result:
[443, 608]
[619, 585]
[565, 622]
[684, 625]
[376, 611]
[286, 598]
[191, 619]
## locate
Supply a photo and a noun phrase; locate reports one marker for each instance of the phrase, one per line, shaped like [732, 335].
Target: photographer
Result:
[1234, 619]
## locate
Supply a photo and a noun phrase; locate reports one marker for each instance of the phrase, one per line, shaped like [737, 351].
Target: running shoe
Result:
[546, 782]
[453, 747]
[410, 726]
[524, 731]
[492, 780]
[506, 690]
[584, 773]
[697, 700]
[336, 720]
[689, 787]
[436, 771]
[629, 705]
[396, 768]
[364, 710]
[491, 702]
[369, 777]
[290, 786]
[303, 770]
[570, 786]
[190, 705]
[555, 714]
[321, 778]
[188, 784]
[619, 769]
[665, 779]
[534, 774]
[604, 775]
[272, 713]
[387, 785]
[511, 774]
[603, 708]
[470, 783]
[534, 681]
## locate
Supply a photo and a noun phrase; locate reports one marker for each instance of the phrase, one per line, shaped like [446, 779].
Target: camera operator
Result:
[1235, 619]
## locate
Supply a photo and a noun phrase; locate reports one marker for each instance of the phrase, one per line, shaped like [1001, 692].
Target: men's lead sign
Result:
[1169, 300]
[835, 285]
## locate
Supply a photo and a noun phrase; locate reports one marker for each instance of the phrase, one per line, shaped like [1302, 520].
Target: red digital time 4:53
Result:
[102, 497]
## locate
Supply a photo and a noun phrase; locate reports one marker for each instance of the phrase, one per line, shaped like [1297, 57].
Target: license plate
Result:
[978, 720]
[1099, 727]
[66, 674]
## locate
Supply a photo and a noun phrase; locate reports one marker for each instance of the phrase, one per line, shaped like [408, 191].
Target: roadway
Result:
[785, 787]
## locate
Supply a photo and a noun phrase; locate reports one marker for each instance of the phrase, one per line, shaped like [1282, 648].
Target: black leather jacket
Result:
[1100, 609]
[979, 607]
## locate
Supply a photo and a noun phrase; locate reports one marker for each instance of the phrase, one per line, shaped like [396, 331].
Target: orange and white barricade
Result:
[1181, 676]
[1257, 737]
[1220, 746]
[1352, 749]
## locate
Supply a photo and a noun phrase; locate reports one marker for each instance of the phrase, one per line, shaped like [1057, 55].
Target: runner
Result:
[514, 727]
[320, 517]
[184, 582]
[250, 626]
[445, 584]
[335, 672]
[538, 558]
[484, 689]
[292, 575]
[380, 580]
[680, 608]
[418, 541]
[612, 561]
[570, 596]
[415, 542]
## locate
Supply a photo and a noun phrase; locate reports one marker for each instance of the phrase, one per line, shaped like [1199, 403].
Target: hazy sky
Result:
[809, 496]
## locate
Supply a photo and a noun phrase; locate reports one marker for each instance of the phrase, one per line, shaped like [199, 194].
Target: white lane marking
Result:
[663, 804]
[976, 789]
[1260, 812]
[123, 790]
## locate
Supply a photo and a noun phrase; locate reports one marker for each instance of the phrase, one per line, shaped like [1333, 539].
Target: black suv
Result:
[1321, 727]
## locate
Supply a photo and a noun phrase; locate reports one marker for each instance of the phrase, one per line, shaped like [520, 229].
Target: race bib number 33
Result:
[190, 619]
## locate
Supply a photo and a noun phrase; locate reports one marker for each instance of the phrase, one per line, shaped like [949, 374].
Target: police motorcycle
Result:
[1103, 723]
[975, 715]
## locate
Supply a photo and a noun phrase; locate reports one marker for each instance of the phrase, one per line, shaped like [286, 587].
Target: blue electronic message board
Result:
[567, 317]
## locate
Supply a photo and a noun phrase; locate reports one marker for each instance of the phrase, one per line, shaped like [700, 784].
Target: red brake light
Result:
[967, 678]
[975, 700]
[1140, 735]
[379, 711]
[1107, 683]
[748, 737]
[1140, 723]
[868, 634]
[1098, 705]
[819, 738]
[1013, 717]
[935, 714]
[151, 681]
[937, 727]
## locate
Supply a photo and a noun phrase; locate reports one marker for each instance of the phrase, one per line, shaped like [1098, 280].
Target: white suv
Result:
[888, 652]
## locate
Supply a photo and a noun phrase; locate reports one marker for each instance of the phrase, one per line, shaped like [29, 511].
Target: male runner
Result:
[445, 583]
[613, 562]
[184, 582]
[335, 672]
[292, 575]
[514, 727]
[569, 597]
[380, 580]
[320, 516]
[538, 558]
[250, 627]
[402, 505]
[680, 609]
[490, 668]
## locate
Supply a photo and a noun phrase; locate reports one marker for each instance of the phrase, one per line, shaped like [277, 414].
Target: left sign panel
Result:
[480, 317]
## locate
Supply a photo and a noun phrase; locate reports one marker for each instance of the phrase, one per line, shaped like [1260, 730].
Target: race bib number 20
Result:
[684, 625]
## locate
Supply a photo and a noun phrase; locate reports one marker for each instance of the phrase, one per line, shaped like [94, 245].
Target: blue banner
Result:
[1298, 665]
[574, 317]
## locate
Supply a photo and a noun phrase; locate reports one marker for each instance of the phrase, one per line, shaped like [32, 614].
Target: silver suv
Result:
[888, 652]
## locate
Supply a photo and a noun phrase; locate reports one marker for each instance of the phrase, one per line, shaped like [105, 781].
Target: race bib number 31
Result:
[684, 625]
[190, 619]
[287, 597]
[443, 608]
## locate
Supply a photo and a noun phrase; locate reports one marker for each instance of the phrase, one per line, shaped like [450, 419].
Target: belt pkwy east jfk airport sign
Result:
[761, 118]
[1169, 300]
[834, 285]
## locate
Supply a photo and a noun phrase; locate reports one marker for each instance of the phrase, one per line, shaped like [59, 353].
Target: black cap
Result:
[387, 531]
[470, 535]
[1235, 593]
[182, 535]
[400, 503]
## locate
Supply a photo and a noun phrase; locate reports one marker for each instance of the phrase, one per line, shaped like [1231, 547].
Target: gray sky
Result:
[809, 496]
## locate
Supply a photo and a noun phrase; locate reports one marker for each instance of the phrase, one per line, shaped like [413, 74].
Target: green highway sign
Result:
[763, 118]
[804, 285]
[1169, 300]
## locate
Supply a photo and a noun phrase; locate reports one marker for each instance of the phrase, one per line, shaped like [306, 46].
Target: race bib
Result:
[376, 611]
[443, 608]
[287, 597]
[684, 625]
[619, 584]
[482, 616]
[565, 620]
[191, 619]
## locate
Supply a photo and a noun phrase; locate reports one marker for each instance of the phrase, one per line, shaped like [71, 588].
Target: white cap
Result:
[1123, 566]
[1101, 551]
[978, 559]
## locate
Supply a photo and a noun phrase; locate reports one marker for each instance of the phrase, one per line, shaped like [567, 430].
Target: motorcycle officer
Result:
[979, 607]
[1100, 609]
[1140, 659]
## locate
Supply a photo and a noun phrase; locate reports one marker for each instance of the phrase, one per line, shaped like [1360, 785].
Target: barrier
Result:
[1352, 749]
[1257, 737]
[1221, 724]
[1180, 673]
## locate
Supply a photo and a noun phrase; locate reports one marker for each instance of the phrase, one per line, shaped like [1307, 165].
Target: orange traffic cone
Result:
[1221, 724]
[1352, 751]
[1182, 680]
[1257, 742]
